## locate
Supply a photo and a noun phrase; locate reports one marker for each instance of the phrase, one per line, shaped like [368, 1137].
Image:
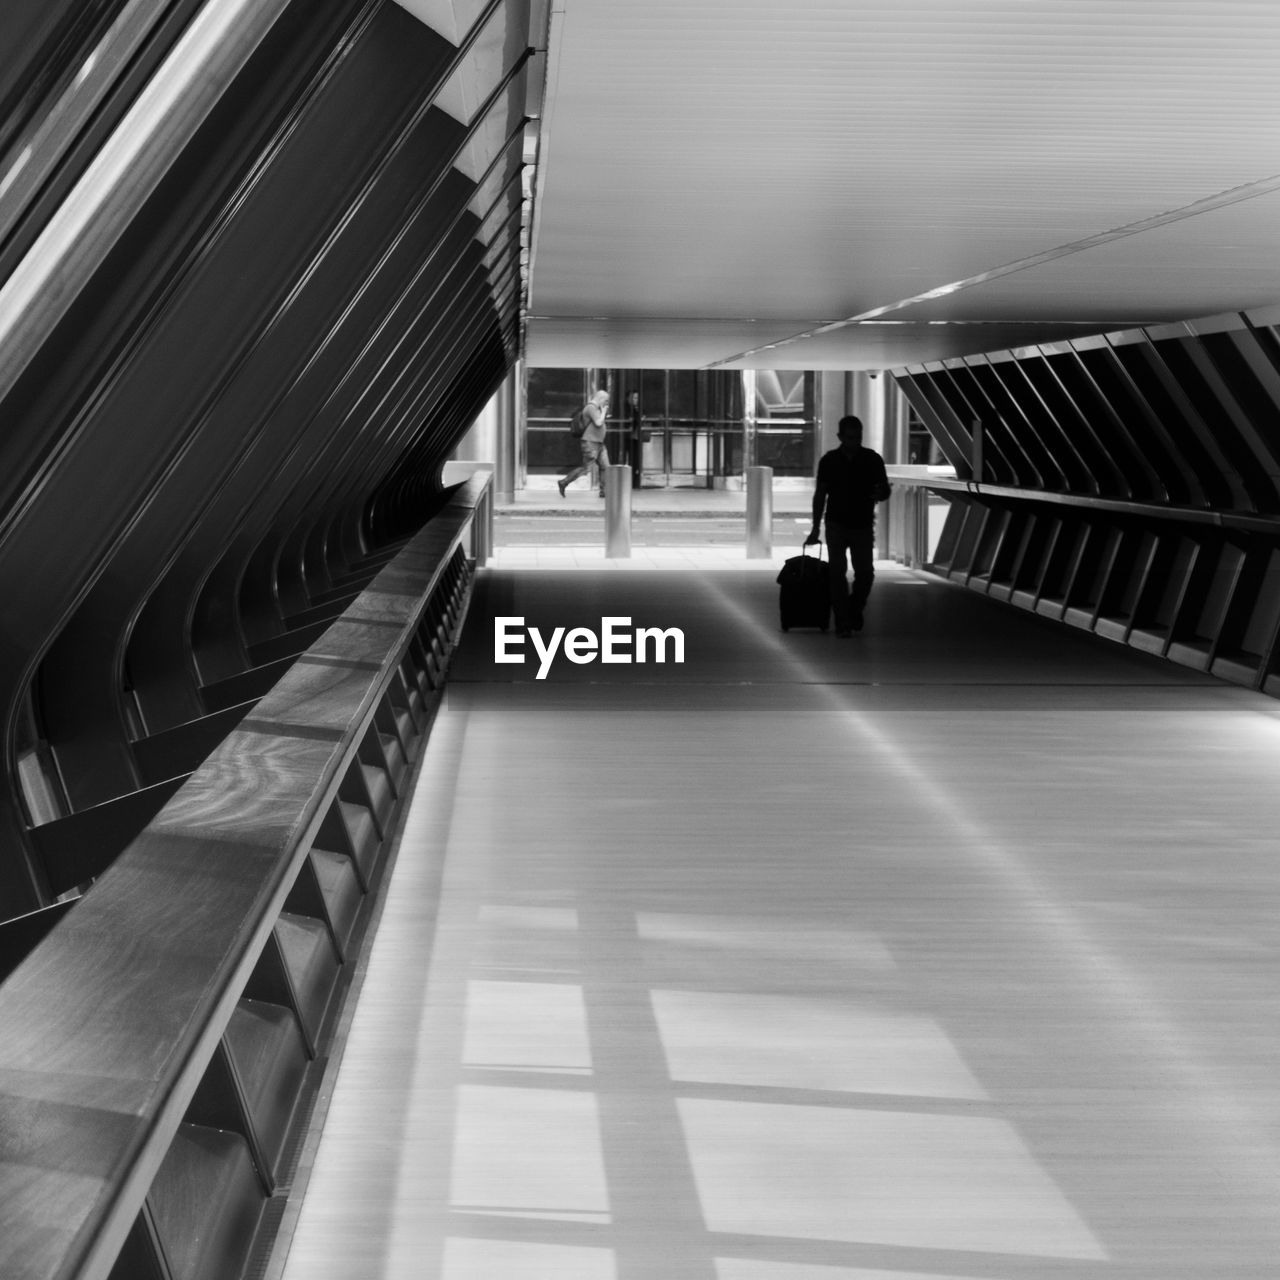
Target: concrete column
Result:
[507, 433]
[492, 437]
[897, 444]
[480, 444]
[617, 512]
[759, 513]
[865, 397]
[748, 419]
[858, 392]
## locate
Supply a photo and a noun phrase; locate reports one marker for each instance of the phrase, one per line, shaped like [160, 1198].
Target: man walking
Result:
[594, 454]
[851, 480]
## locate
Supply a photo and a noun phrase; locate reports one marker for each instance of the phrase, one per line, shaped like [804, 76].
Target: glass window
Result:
[696, 418]
[786, 421]
[784, 395]
[682, 393]
[921, 446]
[556, 393]
[653, 392]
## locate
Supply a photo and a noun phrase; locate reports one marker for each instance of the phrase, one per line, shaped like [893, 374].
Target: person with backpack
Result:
[595, 456]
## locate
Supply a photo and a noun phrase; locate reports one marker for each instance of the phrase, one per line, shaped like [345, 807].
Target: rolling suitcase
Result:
[805, 598]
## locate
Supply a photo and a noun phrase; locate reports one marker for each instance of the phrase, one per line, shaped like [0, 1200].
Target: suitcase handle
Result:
[804, 548]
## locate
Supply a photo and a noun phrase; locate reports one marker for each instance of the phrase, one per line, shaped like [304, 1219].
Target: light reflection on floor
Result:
[528, 1153]
[466, 1259]
[803, 1167]
[790, 1042]
[526, 1026]
[877, 1177]
[653, 1036]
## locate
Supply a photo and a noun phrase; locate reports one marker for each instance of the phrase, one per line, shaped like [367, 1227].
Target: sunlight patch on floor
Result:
[527, 1026]
[877, 1177]
[793, 1042]
[494, 1259]
[528, 1153]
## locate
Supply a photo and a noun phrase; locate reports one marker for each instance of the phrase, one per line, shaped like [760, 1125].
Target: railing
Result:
[920, 502]
[912, 518]
[159, 1047]
[1194, 585]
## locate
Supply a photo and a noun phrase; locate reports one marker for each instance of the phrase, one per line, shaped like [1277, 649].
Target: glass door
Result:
[693, 418]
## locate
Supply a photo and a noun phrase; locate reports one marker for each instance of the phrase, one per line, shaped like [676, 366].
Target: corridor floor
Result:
[947, 952]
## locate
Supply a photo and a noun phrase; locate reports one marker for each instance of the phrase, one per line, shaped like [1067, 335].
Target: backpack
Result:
[578, 424]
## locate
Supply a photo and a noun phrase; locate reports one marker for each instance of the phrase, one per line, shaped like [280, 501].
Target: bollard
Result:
[617, 513]
[759, 513]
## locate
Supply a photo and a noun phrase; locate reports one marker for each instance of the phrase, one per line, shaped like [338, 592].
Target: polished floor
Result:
[948, 952]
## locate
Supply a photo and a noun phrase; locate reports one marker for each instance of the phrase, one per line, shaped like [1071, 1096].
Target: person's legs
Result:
[837, 550]
[600, 461]
[580, 470]
[861, 552]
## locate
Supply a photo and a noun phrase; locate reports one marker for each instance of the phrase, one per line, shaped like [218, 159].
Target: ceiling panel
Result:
[624, 342]
[1228, 258]
[888, 344]
[713, 162]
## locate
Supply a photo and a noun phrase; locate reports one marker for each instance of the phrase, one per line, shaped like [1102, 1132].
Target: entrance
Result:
[688, 455]
[705, 426]
[694, 419]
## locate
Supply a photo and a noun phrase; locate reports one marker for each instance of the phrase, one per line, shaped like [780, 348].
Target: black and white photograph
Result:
[640, 640]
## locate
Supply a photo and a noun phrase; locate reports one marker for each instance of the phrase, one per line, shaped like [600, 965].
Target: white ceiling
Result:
[932, 177]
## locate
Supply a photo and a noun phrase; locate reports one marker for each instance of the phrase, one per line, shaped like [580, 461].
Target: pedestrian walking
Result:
[851, 481]
[595, 456]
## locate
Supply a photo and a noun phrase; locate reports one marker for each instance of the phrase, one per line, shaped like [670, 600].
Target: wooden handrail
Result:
[109, 1025]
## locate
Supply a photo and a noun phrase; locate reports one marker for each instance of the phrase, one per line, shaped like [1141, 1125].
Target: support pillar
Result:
[492, 437]
[862, 393]
[617, 513]
[759, 513]
[507, 441]
[897, 442]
